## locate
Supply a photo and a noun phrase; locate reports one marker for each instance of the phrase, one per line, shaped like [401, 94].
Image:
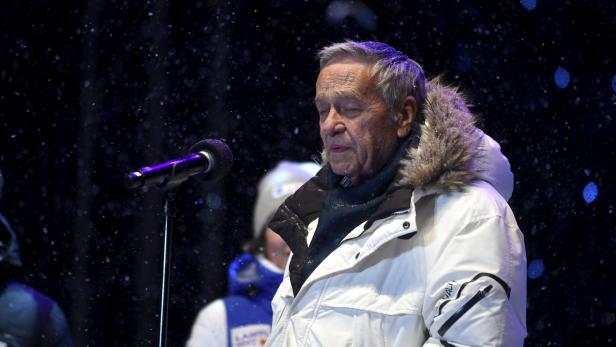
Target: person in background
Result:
[28, 318]
[244, 317]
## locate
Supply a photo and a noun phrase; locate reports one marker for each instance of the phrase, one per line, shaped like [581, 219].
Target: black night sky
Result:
[90, 90]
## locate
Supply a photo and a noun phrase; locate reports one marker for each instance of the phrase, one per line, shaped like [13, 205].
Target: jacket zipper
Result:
[462, 310]
[282, 313]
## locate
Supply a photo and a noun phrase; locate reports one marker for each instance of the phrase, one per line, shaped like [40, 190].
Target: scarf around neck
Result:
[344, 208]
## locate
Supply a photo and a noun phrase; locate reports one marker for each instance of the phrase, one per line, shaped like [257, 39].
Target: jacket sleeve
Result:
[210, 327]
[476, 280]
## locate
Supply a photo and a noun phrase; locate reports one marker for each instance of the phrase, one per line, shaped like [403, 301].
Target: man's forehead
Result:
[337, 78]
[330, 79]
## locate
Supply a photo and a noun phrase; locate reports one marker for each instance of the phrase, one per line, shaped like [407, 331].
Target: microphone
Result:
[212, 159]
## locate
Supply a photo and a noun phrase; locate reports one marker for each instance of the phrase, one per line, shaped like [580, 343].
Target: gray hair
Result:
[397, 76]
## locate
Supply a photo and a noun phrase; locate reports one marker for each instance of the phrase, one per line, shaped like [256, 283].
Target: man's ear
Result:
[406, 116]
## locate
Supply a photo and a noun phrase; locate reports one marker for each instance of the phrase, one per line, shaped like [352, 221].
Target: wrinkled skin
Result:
[358, 131]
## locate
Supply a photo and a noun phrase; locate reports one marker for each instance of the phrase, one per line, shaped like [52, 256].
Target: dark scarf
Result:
[339, 210]
[344, 208]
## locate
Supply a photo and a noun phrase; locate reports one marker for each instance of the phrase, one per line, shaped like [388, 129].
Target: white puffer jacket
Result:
[447, 270]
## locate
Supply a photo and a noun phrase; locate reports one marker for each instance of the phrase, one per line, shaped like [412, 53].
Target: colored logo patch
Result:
[250, 336]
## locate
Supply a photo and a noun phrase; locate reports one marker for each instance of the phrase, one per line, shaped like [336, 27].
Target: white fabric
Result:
[277, 185]
[210, 327]
[210, 330]
[494, 167]
[268, 264]
[377, 290]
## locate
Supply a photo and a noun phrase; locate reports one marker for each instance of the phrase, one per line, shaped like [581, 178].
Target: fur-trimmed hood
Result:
[452, 152]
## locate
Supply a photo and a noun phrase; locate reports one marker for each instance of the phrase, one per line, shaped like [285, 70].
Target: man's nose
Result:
[333, 123]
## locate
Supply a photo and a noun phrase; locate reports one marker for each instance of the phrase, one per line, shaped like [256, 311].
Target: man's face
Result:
[358, 132]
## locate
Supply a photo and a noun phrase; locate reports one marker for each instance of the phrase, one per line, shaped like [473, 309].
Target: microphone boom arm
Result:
[210, 159]
[172, 172]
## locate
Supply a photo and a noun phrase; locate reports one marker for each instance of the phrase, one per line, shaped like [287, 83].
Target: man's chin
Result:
[341, 169]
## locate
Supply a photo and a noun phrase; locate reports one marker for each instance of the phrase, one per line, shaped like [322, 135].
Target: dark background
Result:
[92, 89]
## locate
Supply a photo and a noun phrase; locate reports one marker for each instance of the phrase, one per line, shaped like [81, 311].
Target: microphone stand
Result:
[168, 210]
[218, 161]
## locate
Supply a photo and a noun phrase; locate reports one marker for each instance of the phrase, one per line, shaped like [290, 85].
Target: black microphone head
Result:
[223, 158]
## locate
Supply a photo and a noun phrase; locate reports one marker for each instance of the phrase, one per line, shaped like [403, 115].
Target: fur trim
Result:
[448, 144]
[448, 150]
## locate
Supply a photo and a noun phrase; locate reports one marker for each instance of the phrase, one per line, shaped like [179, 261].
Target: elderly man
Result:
[404, 238]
